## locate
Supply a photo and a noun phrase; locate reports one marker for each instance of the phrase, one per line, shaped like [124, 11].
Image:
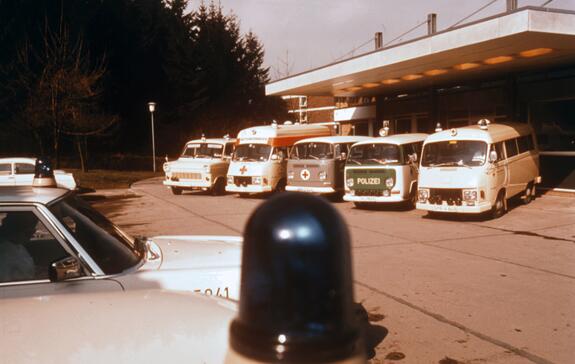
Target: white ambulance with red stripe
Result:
[259, 162]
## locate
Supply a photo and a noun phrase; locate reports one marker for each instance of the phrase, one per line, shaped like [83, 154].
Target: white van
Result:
[203, 165]
[478, 168]
[316, 164]
[260, 160]
[383, 170]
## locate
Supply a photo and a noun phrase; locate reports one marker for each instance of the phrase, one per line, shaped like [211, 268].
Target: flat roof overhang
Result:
[494, 45]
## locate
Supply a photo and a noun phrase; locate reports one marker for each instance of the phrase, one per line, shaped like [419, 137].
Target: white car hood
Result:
[196, 251]
[203, 264]
[249, 168]
[192, 164]
[141, 326]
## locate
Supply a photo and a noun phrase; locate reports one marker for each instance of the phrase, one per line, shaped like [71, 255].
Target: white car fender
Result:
[203, 264]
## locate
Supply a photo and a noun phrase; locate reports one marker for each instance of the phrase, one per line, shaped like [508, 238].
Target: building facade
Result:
[518, 66]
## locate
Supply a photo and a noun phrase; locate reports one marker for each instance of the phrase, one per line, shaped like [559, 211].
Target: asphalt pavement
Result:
[437, 290]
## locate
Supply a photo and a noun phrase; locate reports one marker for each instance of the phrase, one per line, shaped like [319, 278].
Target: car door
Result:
[6, 175]
[29, 245]
[23, 174]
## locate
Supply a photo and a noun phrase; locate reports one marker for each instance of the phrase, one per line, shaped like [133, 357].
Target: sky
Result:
[299, 35]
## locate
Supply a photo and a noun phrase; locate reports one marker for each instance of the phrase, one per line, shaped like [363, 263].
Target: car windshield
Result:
[108, 246]
[252, 152]
[312, 150]
[454, 153]
[374, 154]
[203, 150]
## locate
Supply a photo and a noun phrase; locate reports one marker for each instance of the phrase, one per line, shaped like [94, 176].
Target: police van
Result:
[316, 165]
[383, 170]
[477, 168]
[203, 165]
[260, 160]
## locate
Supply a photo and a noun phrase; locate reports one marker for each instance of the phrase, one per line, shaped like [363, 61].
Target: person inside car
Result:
[16, 263]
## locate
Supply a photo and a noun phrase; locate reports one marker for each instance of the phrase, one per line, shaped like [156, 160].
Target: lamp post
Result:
[152, 108]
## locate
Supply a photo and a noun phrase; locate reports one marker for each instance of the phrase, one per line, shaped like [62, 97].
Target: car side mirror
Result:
[275, 157]
[493, 156]
[413, 158]
[64, 269]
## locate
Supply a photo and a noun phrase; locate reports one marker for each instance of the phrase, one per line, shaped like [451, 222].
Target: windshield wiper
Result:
[450, 164]
[353, 160]
[203, 156]
[383, 161]
[313, 156]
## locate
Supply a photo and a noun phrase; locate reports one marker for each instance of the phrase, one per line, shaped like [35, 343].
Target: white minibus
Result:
[383, 170]
[259, 161]
[475, 169]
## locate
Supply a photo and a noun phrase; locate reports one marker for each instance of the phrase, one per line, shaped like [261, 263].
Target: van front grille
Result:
[186, 175]
[453, 196]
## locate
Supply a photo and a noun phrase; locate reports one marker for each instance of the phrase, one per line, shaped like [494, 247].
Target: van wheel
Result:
[219, 187]
[176, 190]
[499, 208]
[529, 193]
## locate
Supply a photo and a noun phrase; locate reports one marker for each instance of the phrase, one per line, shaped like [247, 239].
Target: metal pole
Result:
[153, 142]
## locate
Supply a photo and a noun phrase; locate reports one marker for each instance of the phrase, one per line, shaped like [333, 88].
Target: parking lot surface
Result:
[437, 290]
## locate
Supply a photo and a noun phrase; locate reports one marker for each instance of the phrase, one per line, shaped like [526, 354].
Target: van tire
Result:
[219, 187]
[529, 193]
[176, 190]
[498, 208]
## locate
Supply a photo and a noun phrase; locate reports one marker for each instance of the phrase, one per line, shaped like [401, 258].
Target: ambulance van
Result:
[316, 165]
[476, 169]
[259, 161]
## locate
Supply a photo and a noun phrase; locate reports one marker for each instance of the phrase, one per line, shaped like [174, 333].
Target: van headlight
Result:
[256, 180]
[290, 175]
[230, 180]
[470, 195]
[423, 195]
[389, 182]
[349, 182]
[322, 175]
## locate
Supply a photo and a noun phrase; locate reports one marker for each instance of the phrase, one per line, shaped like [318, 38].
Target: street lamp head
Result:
[152, 106]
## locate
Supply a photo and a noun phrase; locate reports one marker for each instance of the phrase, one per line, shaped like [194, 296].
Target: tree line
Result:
[76, 76]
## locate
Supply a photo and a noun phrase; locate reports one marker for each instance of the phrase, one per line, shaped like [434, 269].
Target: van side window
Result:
[5, 169]
[511, 147]
[525, 143]
[229, 149]
[498, 147]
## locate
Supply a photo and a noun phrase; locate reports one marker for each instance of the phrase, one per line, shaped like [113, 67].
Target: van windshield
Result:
[454, 153]
[252, 152]
[203, 150]
[374, 154]
[312, 151]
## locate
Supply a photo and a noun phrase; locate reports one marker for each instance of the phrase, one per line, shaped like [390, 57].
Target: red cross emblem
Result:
[304, 174]
[243, 169]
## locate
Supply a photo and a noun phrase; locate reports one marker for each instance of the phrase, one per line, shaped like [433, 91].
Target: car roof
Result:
[18, 160]
[29, 194]
[336, 139]
[397, 139]
[493, 134]
[212, 140]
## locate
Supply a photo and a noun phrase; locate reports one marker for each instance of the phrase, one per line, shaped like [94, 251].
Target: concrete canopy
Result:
[526, 39]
